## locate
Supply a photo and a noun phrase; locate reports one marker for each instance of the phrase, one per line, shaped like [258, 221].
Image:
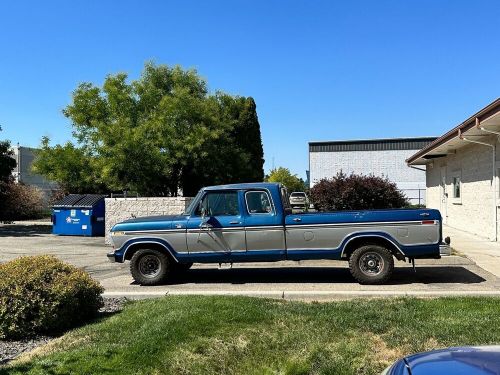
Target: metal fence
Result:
[415, 196]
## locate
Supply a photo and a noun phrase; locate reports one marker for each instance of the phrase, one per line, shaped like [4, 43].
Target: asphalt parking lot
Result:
[292, 280]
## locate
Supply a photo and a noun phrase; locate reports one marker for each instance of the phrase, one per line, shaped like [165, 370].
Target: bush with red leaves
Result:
[356, 192]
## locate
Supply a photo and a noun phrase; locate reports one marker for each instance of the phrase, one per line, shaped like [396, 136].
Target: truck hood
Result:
[148, 223]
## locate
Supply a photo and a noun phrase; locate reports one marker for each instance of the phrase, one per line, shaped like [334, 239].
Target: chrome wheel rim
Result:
[149, 266]
[371, 264]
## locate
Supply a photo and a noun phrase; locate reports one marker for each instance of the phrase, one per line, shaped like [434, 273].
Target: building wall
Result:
[24, 157]
[120, 209]
[389, 163]
[473, 212]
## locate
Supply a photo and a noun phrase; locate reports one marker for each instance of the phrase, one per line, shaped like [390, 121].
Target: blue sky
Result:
[318, 70]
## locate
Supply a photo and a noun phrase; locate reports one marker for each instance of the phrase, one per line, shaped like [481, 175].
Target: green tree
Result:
[155, 135]
[7, 162]
[70, 166]
[283, 175]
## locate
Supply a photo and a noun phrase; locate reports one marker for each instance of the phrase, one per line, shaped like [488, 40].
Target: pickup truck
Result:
[254, 223]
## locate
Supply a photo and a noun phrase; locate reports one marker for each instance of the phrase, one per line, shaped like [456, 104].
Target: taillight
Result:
[427, 222]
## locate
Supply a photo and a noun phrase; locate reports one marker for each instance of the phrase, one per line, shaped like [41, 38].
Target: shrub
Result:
[20, 202]
[42, 295]
[356, 192]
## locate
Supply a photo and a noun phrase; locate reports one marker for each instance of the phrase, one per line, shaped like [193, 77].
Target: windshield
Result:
[298, 194]
[189, 209]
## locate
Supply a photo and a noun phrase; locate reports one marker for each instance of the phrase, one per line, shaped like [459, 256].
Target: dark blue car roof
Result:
[481, 360]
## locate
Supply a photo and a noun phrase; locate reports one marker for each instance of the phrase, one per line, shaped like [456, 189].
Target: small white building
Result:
[379, 157]
[463, 172]
[24, 157]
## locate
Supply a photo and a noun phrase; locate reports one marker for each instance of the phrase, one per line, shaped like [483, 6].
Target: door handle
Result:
[234, 222]
[297, 219]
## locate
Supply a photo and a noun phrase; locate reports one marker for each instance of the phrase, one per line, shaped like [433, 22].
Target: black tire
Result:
[371, 264]
[150, 267]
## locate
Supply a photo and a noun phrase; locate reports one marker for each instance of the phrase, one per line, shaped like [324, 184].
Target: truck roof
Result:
[248, 185]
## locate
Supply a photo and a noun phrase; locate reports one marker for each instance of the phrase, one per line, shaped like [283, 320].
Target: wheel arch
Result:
[371, 239]
[148, 244]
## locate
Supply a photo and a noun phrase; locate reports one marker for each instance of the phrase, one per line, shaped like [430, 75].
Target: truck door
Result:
[221, 228]
[263, 224]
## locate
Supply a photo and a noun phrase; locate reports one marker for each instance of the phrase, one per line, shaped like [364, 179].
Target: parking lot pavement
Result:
[310, 280]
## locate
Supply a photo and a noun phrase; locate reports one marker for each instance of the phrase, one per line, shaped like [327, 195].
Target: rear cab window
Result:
[285, 200]
[259, 202]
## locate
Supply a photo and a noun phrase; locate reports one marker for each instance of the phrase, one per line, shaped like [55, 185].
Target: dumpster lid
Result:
[79, 200]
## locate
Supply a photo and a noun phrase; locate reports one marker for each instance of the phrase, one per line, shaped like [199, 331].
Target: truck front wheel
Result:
[371, 264]
[149, 266]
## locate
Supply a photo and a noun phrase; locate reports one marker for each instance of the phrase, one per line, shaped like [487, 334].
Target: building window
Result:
[456, 187]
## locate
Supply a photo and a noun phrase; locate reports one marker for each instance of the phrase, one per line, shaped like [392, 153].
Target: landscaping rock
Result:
[112, 305]
[12, 349]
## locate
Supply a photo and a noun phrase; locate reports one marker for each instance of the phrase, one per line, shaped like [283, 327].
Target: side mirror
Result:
[203, 212]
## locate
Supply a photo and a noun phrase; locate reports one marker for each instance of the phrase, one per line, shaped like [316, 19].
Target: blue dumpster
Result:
[79, 215]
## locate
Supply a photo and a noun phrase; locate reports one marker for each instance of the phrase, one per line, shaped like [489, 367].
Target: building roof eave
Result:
[490, 110]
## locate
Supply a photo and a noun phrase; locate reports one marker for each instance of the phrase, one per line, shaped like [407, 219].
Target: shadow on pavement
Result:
[335, 275]
[16, 230]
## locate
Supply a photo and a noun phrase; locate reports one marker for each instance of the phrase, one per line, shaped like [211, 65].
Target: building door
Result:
[443, 196]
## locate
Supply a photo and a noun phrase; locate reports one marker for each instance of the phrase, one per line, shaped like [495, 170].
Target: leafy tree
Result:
[283, 175]
[356, 192]
[17, 201]
[20, 202]
[155, 135]
[236, 155]
[7, 162]
[70, 166]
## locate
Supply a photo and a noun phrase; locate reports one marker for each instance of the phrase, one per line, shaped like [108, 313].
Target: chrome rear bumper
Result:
[445, 248]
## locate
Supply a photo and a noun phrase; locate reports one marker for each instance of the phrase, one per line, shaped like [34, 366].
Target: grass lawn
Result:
[239, 335]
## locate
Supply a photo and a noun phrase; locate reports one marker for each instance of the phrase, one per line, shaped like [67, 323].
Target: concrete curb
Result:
[308, 295]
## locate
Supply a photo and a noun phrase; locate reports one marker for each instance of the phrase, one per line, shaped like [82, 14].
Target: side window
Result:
[285, 199]
[258, 202]
[220, 204]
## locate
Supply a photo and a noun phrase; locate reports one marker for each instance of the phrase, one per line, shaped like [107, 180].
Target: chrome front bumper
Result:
[111, 257]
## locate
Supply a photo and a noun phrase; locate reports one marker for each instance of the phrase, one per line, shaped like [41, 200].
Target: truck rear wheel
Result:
[371, 264]
[149, 266]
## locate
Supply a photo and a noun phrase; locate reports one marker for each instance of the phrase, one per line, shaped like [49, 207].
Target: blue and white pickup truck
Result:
[254, 223]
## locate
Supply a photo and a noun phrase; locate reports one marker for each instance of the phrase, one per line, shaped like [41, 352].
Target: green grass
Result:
[239, 335]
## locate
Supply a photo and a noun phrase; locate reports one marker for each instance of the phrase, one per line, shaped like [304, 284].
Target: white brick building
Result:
[380, 157]
[463, 171]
